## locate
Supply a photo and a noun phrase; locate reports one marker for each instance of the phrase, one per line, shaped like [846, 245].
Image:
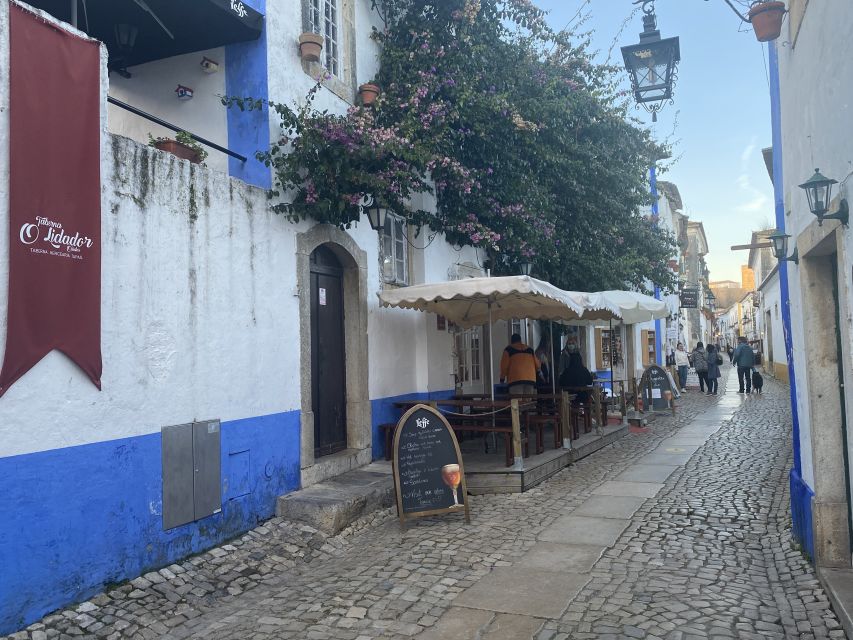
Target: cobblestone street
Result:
[644, 539]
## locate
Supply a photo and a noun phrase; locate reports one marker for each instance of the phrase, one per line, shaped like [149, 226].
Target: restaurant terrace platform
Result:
[486, 473]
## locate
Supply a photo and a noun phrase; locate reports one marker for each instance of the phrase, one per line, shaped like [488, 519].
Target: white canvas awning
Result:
[477, 301]
[629, 307]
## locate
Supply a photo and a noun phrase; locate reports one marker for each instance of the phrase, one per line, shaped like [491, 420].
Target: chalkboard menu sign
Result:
[689, 298]
[656, 389]
[428, 475]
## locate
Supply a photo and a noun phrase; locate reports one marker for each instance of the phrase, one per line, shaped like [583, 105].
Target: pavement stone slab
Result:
[621, 507]
[523, 591]
[666, 458]
[646, 473]
[554, 556]
[638, 489]
[584, 530]
[460, 623]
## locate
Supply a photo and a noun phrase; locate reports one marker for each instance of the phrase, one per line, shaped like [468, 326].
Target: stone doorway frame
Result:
[353, 259]
[820, 247]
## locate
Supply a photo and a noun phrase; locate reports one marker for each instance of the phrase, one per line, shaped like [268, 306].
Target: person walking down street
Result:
[744, 359]
[730, 351]
[519, 367]
[714, 359]
[700, 363]
[682, 361]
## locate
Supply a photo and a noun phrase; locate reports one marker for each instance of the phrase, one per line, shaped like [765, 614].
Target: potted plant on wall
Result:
[310, 46]
[766, 18]
[181, 146]
[368, 92]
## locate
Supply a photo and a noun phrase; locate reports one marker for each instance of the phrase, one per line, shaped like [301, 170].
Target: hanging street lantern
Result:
[779, 241]
[652, 64]
[818, 190]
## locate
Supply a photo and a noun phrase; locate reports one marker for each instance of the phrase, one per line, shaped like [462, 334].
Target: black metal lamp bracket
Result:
[794, 257]
[843, 214]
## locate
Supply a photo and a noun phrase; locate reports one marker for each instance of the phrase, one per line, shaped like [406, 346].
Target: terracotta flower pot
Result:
[310, 46]
[179, 150]
[368, 92]
[766, 19]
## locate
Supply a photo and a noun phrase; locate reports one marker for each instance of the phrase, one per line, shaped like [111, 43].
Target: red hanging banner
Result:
[54, 198]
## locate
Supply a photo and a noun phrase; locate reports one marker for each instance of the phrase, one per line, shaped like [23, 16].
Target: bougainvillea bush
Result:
[527, 144]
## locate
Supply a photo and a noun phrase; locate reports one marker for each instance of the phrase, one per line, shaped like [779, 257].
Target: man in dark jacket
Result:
[744, 359]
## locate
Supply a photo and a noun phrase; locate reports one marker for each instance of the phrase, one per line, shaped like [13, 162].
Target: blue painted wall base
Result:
[79, 518]
[801, 513]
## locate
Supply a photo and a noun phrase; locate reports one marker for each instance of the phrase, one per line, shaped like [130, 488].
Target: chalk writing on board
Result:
[427, 464]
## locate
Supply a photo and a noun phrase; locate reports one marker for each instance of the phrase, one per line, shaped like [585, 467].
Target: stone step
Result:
[334, 504]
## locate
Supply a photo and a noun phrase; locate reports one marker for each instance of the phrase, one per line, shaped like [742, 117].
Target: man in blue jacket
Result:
[744, 359]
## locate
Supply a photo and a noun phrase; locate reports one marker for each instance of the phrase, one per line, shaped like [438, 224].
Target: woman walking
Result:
[713, 370]
[700, 363]
[682, 361]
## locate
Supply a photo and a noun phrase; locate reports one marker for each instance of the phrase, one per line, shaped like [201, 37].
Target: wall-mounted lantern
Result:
[376, 214]
[818, 190]
[780, 247]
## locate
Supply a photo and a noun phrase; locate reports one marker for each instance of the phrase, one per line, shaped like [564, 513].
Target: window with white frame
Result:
[324, 19]
[395, 251]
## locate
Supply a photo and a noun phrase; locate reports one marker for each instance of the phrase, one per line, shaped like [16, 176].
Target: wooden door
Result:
[328, 373]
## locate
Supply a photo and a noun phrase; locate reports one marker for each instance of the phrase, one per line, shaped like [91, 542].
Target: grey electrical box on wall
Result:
[192, 487]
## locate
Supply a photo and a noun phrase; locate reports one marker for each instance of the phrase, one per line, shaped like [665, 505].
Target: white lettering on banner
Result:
[239, 8]
[53, 233]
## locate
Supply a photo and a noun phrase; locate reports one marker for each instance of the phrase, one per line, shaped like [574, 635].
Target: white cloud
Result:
[754, 200]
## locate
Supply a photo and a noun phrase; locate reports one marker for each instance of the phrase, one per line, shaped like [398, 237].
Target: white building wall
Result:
[816, 113]
[774, 334]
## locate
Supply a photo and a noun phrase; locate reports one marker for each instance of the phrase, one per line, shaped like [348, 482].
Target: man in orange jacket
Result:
[519, 367]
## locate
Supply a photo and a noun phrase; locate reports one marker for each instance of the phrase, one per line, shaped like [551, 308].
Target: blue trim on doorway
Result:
[246, 76]
[383, 411]
[653, 189]
[79, 518]
[800, 512]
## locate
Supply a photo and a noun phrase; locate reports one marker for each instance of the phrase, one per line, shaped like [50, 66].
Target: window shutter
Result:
[644, 340]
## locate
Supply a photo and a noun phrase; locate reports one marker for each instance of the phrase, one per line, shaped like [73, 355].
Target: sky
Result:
[720, 120]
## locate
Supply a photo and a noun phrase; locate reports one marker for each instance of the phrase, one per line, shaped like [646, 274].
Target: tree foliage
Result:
[526, 142]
